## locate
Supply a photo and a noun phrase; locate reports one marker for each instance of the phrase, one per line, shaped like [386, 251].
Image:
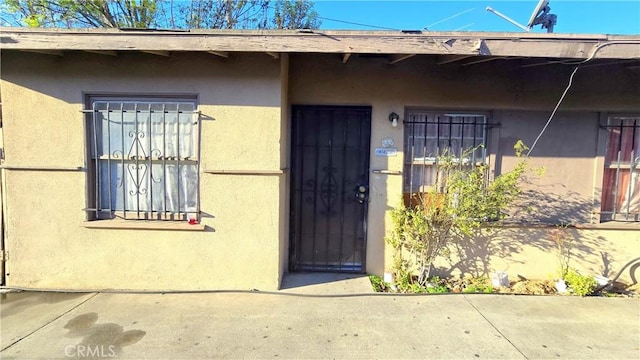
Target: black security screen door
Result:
[329, 187]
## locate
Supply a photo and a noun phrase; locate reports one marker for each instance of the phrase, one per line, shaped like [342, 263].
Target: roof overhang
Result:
[452, 46]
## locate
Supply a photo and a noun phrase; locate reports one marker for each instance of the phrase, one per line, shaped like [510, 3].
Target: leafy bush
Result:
[437, 286]
[478, 285]
[475, 289]
[580, 285]
[378, 283]
[439, 289]
[458, 205]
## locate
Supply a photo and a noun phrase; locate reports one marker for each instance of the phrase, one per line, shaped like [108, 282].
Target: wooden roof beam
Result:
[621, 62]
[103, 52]
[446, 59]
[222, 54]
[568, 62]
[157, 52]
[484, 60]
[551, 62]
[47, 52]
[393, 59]
[533, 45]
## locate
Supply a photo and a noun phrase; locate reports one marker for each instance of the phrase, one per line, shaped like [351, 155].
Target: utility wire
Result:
[464, 27]
[566, 90]
[553, 113]
[388, 28]
[358, 24]
[272, 7]
[448, 18]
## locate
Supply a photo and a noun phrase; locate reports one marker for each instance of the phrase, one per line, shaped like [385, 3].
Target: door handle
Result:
[362, 194]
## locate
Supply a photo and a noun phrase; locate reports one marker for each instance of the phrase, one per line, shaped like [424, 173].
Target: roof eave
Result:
[574, 46]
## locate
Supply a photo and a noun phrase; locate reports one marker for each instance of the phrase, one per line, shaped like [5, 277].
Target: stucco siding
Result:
[240, 125]
[560, 187]
[245, 128]
[519, 102]
[420, 81]
[533, 253]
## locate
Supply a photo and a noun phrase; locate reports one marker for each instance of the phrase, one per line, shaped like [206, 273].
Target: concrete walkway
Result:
[313, 324]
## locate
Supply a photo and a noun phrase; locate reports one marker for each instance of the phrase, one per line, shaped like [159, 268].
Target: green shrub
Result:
[458, 206]
[580, 285]
[378, 283]
[440, 289]
[437, 286]
[478, 285]
[479, 289]
[416, 288]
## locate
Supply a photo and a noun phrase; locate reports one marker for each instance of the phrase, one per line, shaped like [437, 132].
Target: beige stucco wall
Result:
[245, 101]
[564, 190]
[285, 145]
[240, 99]
[520, 100]
[534, 254]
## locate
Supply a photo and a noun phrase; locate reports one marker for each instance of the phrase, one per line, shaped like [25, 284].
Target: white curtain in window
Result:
[147, 157]
[166, 188]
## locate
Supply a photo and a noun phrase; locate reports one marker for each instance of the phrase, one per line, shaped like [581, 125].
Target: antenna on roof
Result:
[539, 16]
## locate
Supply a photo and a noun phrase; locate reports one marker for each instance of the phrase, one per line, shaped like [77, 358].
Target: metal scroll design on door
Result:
[328, 191]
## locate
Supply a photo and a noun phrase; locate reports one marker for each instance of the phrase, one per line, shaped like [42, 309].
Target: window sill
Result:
[611, 225]
[143, 225]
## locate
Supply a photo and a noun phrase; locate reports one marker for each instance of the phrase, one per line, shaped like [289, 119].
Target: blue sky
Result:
[582, 17]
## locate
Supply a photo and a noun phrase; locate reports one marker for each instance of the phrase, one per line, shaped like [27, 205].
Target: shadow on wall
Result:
[529, 240]
[551, 204]
[533, 246]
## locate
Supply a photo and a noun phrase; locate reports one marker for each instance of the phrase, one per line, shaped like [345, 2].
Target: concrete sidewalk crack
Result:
[493, 326]
[49, 322]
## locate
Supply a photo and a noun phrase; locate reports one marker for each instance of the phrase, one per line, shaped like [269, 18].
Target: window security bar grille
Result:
[621, 184]
[431, 135]
[145, 159]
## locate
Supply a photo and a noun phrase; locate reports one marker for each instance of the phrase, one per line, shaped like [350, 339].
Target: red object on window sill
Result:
[193, 222]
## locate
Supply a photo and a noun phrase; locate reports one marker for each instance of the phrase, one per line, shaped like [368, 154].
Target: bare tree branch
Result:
[199, 14]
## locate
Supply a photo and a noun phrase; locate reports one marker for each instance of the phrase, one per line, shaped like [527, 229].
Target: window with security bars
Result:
[431, 135]
[144, 158]
[621, 180]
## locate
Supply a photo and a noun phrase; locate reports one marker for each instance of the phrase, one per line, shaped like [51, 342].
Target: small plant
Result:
[378, 283]
[440, 289]
[416, 288]
[580, 285]
[403, 281]
[478, 285]
[475, 289]
[437, 286]
[563, 240]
